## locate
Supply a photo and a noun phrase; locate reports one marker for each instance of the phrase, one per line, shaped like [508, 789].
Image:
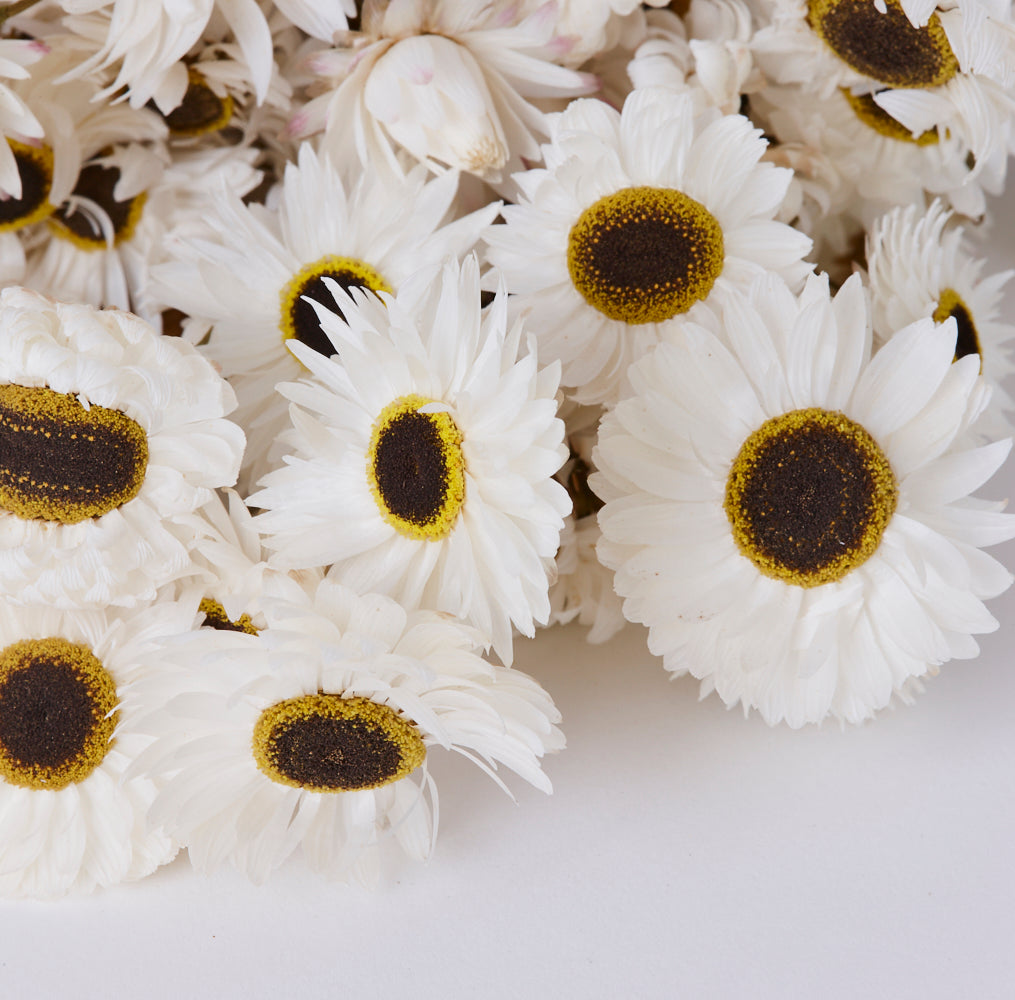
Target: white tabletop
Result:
[685, 852]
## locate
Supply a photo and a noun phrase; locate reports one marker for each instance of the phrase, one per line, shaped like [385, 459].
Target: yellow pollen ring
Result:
[645, 254]
[62, 462]
[874, 116]
[809, 496]
[297, 319]
[215, 617]
[135, 207]
[57, 713]
[884, 46]
[330, 743]
[416, 469]
[39, 159]
[967, 340]
[212, 112]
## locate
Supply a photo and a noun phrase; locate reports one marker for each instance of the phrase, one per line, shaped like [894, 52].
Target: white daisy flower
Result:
[809, 545]
[449, 81]
[315, 732]
[441, 438]
[955, 73]
[73, 124]
[70, 818]
[100, 246]
[253, 281]
[917, 268]
[144, 43]
[111, 434]
[853, 162]
[638, 216]
[220, 96]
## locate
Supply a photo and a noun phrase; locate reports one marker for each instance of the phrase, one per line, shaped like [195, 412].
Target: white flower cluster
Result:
[529, 312]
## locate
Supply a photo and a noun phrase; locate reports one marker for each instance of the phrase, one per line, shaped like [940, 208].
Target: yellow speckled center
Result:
[967, 341]
[809, 496]
[874, 116]
[215, 617]
[35, 166]
[885, 47]
[57, 715]
[416, 469]
[201, 111]
[645, 254]
[62, 462]
[328, 743]
[297, 319]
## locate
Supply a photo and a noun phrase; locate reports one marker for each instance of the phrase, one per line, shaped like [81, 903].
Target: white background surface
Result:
[686, 852]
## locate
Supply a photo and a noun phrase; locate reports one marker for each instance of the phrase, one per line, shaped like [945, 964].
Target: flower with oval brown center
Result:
[111, 437]
[422, 457]
[317, 731]
[920, 264]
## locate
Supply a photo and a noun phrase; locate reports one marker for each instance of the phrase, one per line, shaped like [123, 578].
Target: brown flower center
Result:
[57, 714]
[950, 303]
[62, 462]
[327, 743]
[416, 469]
[298, 318]
[885, 47]
[201, 111]
[809, 496]
[644, 254]
[35, 167]
[83, 225]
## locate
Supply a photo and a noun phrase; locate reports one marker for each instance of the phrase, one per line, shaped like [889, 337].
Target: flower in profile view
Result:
[111, 435]
[918, 266]
[315, 730]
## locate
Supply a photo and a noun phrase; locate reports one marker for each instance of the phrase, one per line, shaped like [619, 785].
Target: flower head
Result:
[111, 435]
[808, 546]
[71, 817]
[440, 437]
[919, 266]
[315, 732]
[639, 216]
